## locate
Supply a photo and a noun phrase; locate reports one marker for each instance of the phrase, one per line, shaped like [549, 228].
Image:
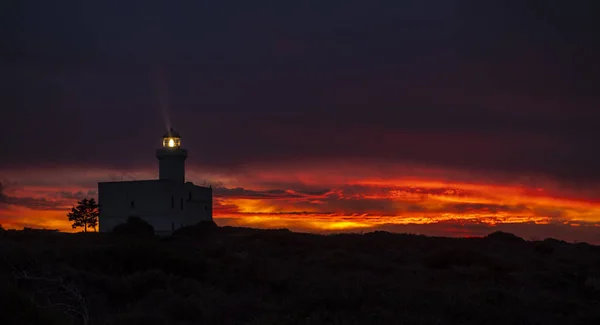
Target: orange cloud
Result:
[320, 197]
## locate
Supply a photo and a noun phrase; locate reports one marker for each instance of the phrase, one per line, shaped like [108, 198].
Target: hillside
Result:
[245, 276]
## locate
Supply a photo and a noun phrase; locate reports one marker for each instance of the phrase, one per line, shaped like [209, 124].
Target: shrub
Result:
[134, 226]
[19, 308]
[504, 237]
[544, 248]
[39, 230]
[245, 276]
[133, 287]
[141, 318]
[449, 257]
[200, 229]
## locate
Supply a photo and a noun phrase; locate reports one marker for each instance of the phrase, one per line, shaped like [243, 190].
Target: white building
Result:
[168, 203]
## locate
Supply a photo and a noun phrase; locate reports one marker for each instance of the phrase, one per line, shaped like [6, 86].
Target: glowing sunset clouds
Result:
[331, 197]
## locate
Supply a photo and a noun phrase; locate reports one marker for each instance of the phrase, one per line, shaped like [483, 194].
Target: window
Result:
[181, 203]
[173, 202]
[171, 142]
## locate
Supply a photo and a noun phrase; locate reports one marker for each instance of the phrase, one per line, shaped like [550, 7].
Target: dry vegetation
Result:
[242, 276]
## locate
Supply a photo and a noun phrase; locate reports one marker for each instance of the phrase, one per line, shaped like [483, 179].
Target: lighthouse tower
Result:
[167, 203]
[171, 158]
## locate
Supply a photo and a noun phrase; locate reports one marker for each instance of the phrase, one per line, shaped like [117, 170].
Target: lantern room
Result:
[171, 139]
[171, 158]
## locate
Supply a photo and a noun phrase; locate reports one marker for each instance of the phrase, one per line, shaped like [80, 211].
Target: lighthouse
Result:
[171, 158]
[167, 203]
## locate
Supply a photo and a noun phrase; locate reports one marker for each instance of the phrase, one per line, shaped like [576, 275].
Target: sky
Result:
[446, 118]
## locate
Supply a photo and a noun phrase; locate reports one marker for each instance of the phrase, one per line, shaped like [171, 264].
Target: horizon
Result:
[424, 117]
[322, 233]
[266, 208]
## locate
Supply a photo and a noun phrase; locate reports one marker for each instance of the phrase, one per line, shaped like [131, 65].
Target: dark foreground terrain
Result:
[244, 276]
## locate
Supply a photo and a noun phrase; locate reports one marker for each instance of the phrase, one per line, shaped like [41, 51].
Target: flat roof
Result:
[152, 180]
[140, 181]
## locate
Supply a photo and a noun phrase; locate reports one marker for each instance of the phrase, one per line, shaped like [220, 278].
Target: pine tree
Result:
[85, 214]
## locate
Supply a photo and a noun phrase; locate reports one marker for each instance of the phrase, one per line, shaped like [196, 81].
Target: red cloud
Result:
[338, 197]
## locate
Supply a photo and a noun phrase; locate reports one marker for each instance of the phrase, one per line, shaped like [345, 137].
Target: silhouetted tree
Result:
[85, 214]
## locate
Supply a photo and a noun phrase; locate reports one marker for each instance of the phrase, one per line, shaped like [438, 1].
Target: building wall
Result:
[167, 205]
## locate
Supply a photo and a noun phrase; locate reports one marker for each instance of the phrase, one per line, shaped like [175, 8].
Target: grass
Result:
[247, 276]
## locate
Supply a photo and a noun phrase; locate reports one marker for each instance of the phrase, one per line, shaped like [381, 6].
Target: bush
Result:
[200, 229]
[501, 236]
[19, 308]
[464, 257]
[134, 226]
[249, 276]
[39, 230]
[141, 318]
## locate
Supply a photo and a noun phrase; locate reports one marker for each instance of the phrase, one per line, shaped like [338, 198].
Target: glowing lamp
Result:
[171, 139]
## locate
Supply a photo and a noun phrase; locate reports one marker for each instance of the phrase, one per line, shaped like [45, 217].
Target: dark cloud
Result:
[31, 202]
[239, 192]
[35, 203]
[292, 193]
[370, 200]
[3, 196]
[79, 195]
[486, 208]
[474, 85]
